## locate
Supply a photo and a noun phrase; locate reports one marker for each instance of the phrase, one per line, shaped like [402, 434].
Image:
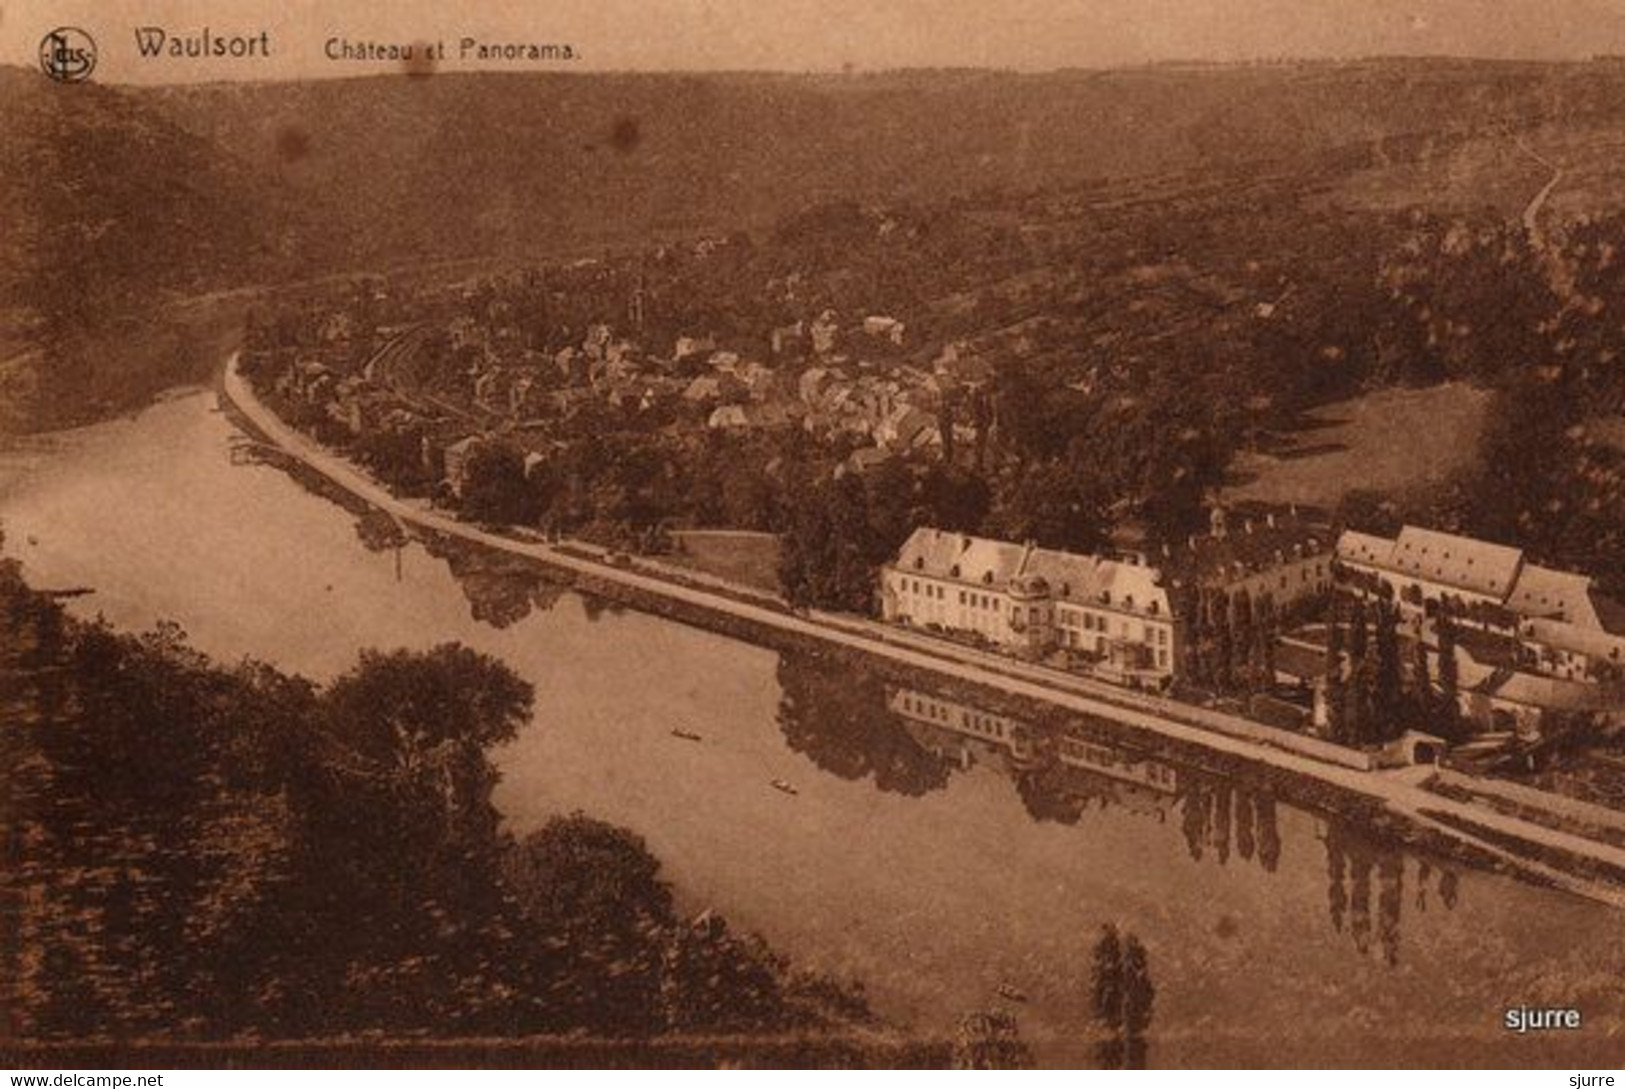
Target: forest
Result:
[200, 852]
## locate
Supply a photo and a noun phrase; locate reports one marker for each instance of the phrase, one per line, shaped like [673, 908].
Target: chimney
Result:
[1249, 525]
[1271, 519]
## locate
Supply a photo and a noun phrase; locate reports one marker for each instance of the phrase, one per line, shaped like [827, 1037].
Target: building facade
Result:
[1112, 616]
[1533, 639]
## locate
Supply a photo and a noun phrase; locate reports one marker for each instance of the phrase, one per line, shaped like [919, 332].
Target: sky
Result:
[817, 35]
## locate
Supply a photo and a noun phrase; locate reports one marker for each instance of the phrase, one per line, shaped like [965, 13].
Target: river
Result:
[934, 865]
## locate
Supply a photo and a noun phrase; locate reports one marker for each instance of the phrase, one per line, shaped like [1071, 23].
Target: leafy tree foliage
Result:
[1123, 997]
[237, 852]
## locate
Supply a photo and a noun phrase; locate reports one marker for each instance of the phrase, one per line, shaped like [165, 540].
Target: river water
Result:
[924, 853]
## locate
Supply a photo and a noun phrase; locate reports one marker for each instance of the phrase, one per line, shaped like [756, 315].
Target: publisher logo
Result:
[67, 54]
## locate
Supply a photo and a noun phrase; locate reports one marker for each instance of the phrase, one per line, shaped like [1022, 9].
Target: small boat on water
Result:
[784, 787]
[1012, 994]
[686, 735]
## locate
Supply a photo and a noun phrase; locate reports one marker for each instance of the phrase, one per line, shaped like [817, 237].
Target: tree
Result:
[1123, 997]
[1243, 636]
[1449, 719]
[1358, 632]
[589, 872]
[1224, 646]
[1139, 1000]
[1422, 700]
[1266, 630]
[428, 718]
[831, 552]
[1386, 691]
[1106, 979]
[598, 888]
[495, 489]
[1336, 691]
[990, 1041]
[1362, 715]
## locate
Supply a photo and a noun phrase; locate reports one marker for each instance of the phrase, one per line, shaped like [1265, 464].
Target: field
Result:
[751, 559]
[1391, 441]
[1499, 171]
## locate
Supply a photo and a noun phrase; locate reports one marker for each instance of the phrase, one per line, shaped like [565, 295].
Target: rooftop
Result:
[1064, 575]
[1463, 562]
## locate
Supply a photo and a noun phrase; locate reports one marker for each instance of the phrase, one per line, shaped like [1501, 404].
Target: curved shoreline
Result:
[688, 599]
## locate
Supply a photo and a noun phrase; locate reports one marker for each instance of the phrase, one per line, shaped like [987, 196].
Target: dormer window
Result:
[919, 563]
[954, 570]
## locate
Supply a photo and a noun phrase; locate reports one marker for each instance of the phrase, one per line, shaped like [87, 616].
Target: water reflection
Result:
[502, 589]
[909, 740]
[1366, 879]
[843, 724]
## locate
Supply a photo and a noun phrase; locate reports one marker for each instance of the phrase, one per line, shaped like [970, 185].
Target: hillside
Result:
[466, 164]
[112, 210]
[125, 197]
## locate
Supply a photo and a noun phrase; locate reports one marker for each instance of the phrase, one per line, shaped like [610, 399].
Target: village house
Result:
[1112, 616]
[686, 346]
[825, 332]
[906, 429]
[789, 340]
[884, 328]
[457, 457]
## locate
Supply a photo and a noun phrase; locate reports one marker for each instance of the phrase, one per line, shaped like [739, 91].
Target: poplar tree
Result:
[1449, 708]
[1107, 978]
[1357, 631]
[1223, 639]
[1123, 997]
[1336, 690]
[1421, 686]
[1386, 682]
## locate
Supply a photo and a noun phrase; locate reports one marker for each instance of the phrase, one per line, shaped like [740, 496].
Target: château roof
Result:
[1540, 594]
[1475, 566]
[959, 556]
[1066, 576]
[1248, 545]
[1366, 548]
[1541, 591]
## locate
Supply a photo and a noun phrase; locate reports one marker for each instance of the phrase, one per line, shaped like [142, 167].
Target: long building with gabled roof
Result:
[1114, 614]
[1563, 640]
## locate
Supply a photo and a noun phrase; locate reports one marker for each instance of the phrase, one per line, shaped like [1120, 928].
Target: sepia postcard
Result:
[823, 534]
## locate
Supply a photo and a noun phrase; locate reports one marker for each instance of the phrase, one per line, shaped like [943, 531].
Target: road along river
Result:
[1167, 719]
[920, 859]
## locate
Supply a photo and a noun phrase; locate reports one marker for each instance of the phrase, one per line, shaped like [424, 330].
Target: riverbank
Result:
[1394, 801]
